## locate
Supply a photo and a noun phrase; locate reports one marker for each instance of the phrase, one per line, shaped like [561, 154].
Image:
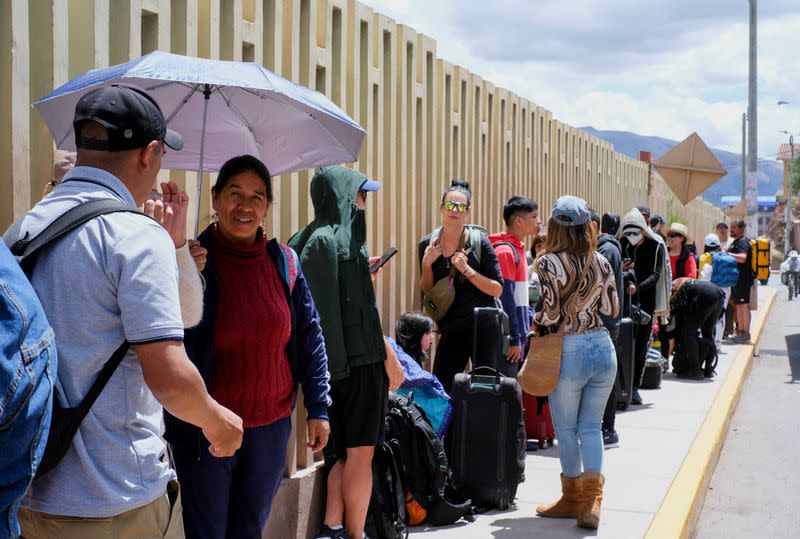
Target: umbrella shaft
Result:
[207, 96]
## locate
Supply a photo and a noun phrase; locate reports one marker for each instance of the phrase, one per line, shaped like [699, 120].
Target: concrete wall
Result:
[428, 121]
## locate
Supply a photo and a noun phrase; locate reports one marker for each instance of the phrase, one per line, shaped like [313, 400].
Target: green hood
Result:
[335, 260]
[333, 193]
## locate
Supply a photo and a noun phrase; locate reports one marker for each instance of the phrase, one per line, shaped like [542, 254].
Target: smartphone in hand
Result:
[383, 260]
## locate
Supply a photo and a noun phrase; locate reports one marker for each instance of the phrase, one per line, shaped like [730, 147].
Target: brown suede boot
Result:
[591, 498]
[570, 503]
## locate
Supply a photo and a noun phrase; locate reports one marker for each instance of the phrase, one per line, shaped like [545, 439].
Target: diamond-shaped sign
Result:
[690, 168]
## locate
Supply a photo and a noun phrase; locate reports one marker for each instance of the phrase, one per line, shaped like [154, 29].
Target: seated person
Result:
[414, 334]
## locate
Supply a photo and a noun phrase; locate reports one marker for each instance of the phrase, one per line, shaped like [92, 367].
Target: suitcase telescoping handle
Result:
[502, 319]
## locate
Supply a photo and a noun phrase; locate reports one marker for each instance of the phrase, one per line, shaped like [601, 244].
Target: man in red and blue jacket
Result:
[521, 215]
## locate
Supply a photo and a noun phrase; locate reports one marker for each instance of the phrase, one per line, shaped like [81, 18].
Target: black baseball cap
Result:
[131, 117]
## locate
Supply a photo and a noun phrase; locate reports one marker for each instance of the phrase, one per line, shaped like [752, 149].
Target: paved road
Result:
[755, 491]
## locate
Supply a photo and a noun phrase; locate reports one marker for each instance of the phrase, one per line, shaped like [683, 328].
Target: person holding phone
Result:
[333, 253]
[478, 282]
[643, 253]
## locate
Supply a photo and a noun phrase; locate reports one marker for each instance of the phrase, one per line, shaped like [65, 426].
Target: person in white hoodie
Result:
[643, 252]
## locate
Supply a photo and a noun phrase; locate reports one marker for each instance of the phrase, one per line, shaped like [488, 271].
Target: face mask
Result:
[635, 239]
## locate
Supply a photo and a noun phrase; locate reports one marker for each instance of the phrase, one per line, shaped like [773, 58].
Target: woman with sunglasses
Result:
[681, 260]
[478, 281]
[643, 253]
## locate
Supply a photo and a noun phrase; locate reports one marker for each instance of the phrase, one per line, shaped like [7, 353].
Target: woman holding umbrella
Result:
[259, 338]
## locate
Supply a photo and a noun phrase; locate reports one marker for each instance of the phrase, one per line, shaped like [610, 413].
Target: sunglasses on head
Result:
[460, 207]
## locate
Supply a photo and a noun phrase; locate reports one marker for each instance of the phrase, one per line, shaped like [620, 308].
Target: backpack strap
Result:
[26, 249]
[291, 265]
[475, 242]
[435, 235]
[102, 378]
[513, 250]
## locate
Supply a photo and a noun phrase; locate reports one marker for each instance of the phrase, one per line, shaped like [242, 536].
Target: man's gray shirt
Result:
[114, 278]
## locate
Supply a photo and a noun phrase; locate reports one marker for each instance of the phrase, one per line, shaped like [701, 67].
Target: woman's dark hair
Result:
[537, 239]
[243, 163]
[462, 186]
[610, 224]
[710, 249]
[408, 332]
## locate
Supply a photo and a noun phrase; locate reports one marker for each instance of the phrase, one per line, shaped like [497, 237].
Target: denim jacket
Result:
[306, 348]
[27, 371]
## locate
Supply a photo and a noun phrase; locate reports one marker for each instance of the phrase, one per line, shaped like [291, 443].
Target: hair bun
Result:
[460, 183]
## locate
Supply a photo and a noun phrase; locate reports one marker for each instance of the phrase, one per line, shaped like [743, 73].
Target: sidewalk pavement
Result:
[656, 479]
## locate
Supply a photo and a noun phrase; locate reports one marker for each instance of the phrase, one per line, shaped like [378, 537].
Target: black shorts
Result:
[741, 294]
[358, 409]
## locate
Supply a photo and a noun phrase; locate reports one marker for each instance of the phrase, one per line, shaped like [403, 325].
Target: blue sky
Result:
[653, 67]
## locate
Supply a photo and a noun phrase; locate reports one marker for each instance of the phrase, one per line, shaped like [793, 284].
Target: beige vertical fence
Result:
[428, 121]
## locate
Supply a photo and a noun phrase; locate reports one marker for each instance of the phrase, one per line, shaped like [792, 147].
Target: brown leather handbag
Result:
[542, 367]
[438, 300]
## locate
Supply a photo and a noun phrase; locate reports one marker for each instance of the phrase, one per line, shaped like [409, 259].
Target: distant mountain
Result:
[730, 184]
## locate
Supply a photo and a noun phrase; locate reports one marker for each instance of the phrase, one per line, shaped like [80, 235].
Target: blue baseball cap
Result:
[370, 185]
[570, 211]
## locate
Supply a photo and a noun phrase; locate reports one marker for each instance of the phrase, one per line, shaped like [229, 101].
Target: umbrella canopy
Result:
[222, 109]
[690, 168]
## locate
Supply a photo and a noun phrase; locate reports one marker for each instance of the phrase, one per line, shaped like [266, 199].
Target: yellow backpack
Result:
[760, 258]
[705, 258]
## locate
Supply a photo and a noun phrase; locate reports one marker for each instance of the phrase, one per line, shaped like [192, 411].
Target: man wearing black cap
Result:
[114, 280]
[657, 223]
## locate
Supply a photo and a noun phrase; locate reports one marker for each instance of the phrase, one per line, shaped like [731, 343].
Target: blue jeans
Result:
[588, 369]
[27, 371]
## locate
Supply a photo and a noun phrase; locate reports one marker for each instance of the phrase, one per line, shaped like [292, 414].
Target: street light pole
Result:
[752, 116]
[744, 154]
[787, 231]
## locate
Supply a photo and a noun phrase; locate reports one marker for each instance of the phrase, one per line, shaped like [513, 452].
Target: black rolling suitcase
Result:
[487, 436]
[625, 351]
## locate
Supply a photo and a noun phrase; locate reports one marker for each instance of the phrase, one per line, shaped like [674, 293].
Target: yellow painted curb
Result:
[680, 510]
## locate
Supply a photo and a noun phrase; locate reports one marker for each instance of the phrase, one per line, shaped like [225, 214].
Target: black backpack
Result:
[709, 357]
[386, 515]
[422, 461]
[64, 422]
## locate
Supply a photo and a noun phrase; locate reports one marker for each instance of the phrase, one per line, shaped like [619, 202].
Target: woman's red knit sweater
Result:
[252, 327]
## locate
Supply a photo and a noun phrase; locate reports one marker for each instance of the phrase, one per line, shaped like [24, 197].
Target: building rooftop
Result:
[785, 152]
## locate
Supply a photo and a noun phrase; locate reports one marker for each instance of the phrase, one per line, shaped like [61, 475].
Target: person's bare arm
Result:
[740, 258]
[488, 286]
[178, 386]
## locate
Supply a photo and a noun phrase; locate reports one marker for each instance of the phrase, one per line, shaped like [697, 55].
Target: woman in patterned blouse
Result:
[577, 286]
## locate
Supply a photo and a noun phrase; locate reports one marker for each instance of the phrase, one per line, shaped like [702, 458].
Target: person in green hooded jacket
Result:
[334, 257]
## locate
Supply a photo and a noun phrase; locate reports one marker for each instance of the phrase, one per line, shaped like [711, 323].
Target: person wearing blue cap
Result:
[108, 286]
[333, 254]
[578, 286]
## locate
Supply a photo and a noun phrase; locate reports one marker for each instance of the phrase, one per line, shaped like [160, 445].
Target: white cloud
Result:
[653, 67]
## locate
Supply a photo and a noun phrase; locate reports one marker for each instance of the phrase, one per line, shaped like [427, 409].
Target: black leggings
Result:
[703, 318]
[455, 350]
[641, 340]
[610, 413]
